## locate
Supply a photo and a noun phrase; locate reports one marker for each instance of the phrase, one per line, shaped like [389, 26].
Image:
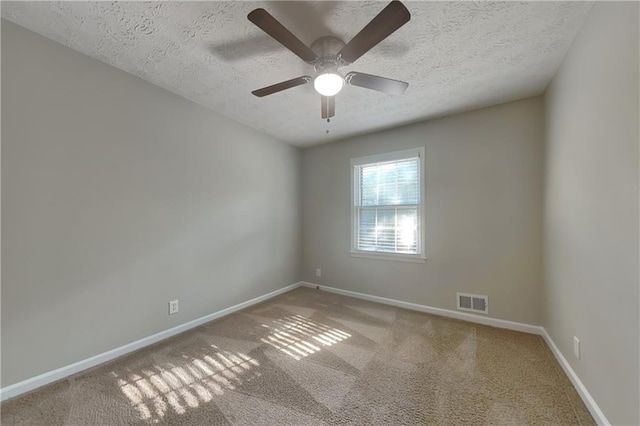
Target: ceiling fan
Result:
[329, 54]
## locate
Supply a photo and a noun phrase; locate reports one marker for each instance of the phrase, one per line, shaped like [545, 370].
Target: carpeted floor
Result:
[311, 358]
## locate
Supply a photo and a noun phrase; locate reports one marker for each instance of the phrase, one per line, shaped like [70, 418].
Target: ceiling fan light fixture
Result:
[328, 83]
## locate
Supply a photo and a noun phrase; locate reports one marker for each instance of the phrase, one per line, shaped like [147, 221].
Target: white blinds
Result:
[387, 206]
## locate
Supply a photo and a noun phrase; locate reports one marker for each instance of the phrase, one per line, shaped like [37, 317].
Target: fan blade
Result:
[374, 82]
[382, 26]
[327, 106]
[267, 23]
[278, 87]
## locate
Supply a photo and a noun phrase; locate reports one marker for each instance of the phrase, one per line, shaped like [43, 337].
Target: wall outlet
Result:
[576, 347]
[173, 307]
[318, 272]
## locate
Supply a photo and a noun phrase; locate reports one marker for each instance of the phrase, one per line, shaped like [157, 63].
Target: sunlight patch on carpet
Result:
[179, 387]
[299, 337]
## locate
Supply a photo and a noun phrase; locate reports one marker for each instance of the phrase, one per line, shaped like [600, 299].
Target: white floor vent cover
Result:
[473, 303]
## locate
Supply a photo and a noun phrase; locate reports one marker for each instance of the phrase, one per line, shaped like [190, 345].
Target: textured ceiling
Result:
[455, 55]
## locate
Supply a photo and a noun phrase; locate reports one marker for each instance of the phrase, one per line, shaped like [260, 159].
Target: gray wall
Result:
[117, 197]
[591, 208]
[483, 212]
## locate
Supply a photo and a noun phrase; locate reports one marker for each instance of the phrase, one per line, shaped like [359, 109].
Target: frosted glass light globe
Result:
[328, 84]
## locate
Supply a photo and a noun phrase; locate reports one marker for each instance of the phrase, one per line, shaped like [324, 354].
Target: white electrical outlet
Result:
[576, 347]
[173, 307]
[318, 272]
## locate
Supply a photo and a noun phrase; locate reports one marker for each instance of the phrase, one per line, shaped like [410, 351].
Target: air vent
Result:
[473, 303]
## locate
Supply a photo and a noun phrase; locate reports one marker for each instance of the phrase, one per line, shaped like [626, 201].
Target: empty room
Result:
[320, 213]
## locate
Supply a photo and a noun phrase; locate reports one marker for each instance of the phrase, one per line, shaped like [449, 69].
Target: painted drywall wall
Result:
[483, 212]
[591, 209]
[118, 196]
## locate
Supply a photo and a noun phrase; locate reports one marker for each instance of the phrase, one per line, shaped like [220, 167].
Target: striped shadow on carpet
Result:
[310, 357]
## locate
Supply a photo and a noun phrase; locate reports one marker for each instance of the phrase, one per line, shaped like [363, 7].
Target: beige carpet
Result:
[311, 358]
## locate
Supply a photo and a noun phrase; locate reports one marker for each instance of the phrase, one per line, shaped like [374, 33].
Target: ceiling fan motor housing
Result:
[327, 49]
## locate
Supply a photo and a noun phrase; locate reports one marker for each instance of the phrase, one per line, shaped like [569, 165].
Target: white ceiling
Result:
[455, 55]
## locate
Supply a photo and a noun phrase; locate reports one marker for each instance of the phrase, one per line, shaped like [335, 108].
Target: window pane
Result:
[390, 183]
[407, 230]
[367, 230]
[388, 229]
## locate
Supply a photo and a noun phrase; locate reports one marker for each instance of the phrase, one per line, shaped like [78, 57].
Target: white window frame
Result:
[390, 156]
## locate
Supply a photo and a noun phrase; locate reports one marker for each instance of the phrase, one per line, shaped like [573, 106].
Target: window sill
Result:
[389, 256]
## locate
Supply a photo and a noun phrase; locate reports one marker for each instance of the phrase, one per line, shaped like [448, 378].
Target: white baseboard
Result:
[494, 322]
[66, 371]
[588, 400]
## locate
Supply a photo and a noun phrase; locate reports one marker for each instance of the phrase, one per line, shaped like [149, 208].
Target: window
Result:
[387, 205]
